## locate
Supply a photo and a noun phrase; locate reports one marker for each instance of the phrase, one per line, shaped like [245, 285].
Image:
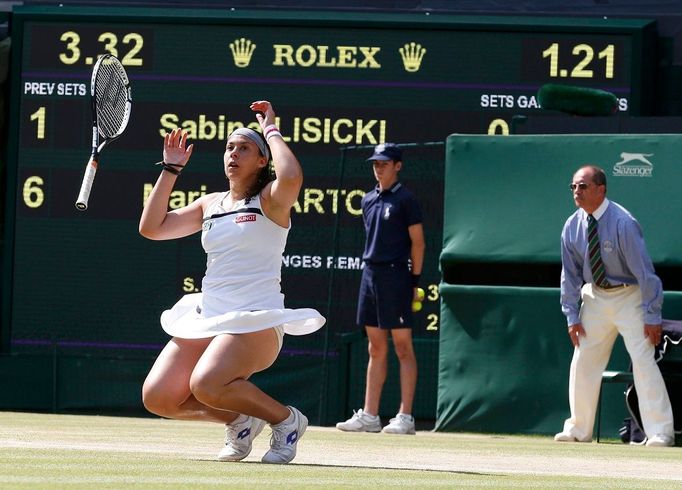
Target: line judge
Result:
[609, 287]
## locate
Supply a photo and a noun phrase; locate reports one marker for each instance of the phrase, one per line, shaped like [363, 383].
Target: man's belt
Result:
[616, 286]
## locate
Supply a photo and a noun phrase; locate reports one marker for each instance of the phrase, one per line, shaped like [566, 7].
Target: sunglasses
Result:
[582, 186]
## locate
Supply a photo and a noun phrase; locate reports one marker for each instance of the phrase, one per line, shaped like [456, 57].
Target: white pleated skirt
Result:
[185, 320]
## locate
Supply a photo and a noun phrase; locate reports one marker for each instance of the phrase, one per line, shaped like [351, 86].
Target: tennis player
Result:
[235, 326]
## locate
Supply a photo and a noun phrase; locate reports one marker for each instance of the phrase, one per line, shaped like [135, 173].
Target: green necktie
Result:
[594, 251]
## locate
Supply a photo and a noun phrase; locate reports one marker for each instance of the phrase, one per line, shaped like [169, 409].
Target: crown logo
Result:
[412, 54]
[242, 49]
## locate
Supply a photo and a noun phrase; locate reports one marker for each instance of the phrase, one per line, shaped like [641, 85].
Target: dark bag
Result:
[632, 431]
[669, 358]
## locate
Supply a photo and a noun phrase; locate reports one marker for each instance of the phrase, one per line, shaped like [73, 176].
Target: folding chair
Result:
[669, 350]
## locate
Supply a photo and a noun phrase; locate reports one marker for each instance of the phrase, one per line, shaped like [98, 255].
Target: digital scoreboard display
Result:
[339, 82]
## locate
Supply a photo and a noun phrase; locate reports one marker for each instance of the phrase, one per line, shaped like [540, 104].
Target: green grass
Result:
[64, 451]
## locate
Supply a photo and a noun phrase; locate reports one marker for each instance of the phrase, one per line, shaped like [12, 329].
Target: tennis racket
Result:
[111, 100]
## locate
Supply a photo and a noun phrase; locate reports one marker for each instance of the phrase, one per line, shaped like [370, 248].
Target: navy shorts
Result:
[385, 298]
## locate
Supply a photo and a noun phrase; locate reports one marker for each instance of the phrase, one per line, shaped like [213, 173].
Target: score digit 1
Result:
[39, 116]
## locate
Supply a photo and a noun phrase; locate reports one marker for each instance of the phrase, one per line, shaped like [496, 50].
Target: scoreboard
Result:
[339, 82]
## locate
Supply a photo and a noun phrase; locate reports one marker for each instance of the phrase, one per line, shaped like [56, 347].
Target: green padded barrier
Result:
[507, 198]
[504, 358]
[17, 372]
[353, 372]
[504, 354]
[65, 382]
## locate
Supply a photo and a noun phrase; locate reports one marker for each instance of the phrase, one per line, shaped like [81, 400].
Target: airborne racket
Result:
[111, 100]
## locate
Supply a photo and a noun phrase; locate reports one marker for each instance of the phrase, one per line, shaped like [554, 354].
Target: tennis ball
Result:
[420, 294]
[416, 306]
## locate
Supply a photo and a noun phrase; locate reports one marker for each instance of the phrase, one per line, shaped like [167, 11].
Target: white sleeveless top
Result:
[241, 288]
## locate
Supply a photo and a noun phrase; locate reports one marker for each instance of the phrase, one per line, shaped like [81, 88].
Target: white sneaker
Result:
[660, 440]
[361, 422]
[285, 436]
[238, 437]
[569, 437]
[565, 437]
[400, 424]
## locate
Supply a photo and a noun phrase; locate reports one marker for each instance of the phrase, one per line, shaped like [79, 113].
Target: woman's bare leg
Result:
[219, 379]
[166, 390]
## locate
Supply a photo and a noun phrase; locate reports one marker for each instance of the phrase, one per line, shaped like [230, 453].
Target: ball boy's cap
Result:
[387, 151]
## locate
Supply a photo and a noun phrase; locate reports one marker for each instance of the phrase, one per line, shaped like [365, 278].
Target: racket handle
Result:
[88, 178]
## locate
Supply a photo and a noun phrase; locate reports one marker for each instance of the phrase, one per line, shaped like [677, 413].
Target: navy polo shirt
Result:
[386, 216]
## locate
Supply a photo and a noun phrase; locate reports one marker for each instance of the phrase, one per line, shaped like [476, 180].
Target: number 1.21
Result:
[582, 68]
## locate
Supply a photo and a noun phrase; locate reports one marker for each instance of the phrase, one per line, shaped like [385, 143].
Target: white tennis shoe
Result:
[285, 437]
[361, 422]
[567, 436]
[400, 424]
[239, 436]
[660, 440]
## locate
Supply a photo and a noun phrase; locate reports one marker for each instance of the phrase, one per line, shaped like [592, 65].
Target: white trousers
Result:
[604, 315]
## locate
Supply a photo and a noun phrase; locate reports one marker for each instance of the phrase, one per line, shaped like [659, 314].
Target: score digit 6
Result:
[32, 192]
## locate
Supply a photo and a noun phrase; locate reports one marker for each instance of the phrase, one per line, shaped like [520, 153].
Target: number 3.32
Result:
[133, 41]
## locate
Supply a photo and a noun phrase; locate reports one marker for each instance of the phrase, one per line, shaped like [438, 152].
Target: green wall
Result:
[504, 352]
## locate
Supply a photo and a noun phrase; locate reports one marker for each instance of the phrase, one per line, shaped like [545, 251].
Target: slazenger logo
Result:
[245, 217]
[634, 165]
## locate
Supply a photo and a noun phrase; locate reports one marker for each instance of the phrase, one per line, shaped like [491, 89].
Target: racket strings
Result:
[112, 100]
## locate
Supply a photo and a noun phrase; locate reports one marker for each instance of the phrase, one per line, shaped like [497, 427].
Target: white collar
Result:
[599, 212]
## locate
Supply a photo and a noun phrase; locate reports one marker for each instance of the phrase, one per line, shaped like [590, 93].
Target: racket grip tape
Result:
[88, 178]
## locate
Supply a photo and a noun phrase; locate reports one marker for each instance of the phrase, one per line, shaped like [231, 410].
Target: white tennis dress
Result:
[241, 289]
